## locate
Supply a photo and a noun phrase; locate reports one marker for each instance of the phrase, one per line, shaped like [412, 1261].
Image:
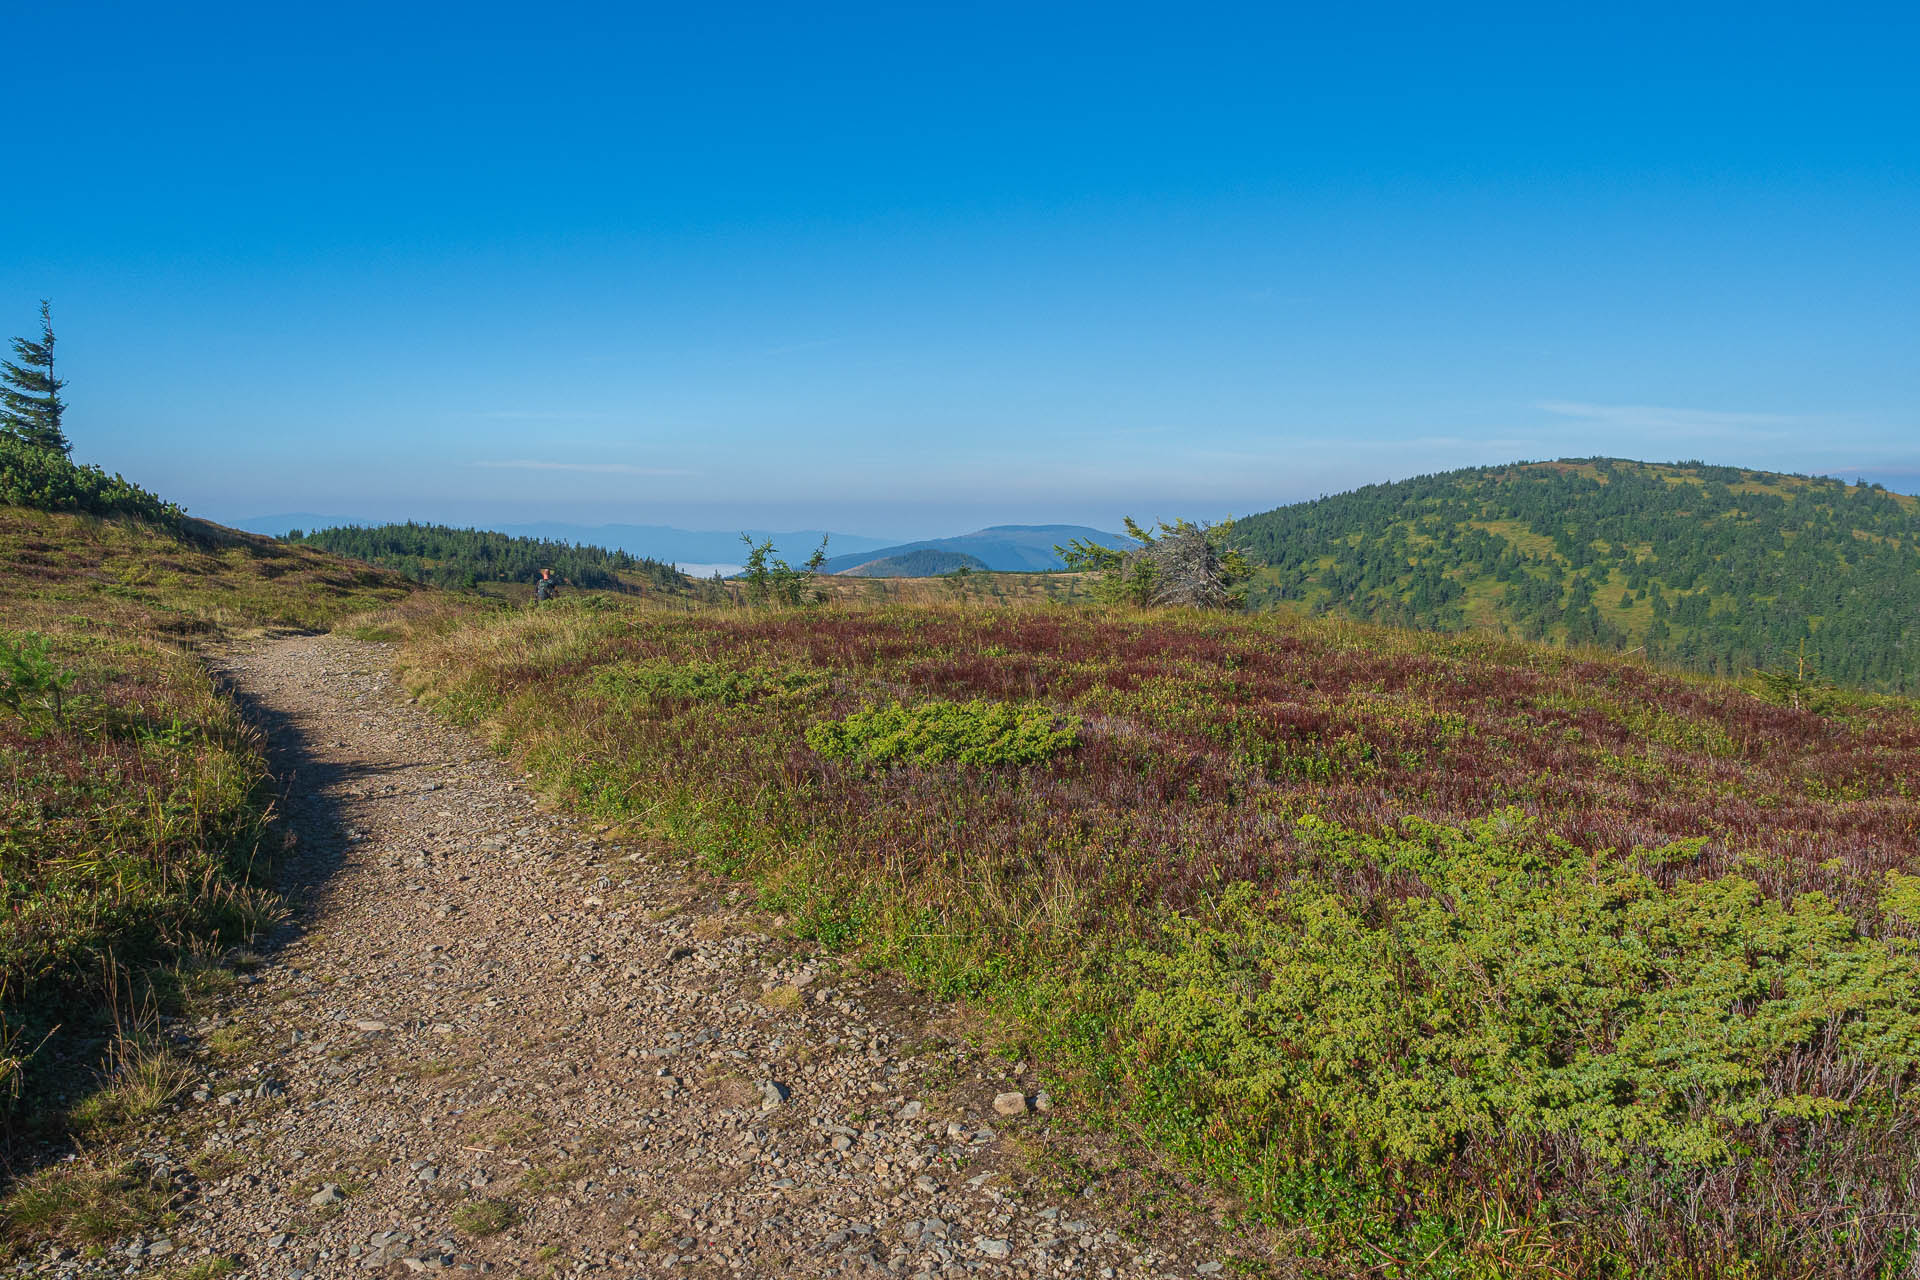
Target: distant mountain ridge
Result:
[1719, 569]
[1003, 548]
[695, 546]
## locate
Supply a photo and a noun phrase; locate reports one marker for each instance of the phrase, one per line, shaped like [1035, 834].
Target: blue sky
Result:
[910, 270]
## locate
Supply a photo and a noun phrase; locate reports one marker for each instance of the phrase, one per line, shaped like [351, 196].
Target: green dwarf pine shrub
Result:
[1525, 989]
[30, 681]
[977, 732]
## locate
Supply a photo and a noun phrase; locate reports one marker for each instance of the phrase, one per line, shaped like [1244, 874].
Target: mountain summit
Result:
[1007, 548]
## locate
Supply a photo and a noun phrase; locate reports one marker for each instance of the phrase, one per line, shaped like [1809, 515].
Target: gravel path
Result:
[491, 1039]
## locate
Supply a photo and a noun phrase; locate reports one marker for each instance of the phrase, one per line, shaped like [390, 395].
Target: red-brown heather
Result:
[1206, 738]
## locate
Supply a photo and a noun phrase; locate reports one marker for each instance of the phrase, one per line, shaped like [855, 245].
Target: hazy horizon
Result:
[753, 519]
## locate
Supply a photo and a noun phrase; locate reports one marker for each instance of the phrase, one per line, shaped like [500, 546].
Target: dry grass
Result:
[144, 1078]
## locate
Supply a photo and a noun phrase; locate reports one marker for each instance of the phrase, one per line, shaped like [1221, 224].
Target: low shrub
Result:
[1525, 989]
[979, 732]
[50, 481]
[31, 683]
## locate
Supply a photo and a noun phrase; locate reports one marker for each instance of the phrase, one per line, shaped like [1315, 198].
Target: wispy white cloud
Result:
[1653, 417]
[595, 468]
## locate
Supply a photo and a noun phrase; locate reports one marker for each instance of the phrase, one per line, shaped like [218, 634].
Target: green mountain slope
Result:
[1712, 568]
[924, 563]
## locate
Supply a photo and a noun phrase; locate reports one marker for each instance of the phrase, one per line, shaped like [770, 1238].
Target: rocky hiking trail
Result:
[492, 1039]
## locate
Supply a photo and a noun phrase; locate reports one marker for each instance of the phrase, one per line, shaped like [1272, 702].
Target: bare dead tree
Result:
[1181, 564]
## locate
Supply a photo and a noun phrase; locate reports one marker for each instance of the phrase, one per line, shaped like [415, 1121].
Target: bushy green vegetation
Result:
[767, 579]
[1448, 955]
[130, 811]
[1524, 991]
[456, 558]
[977, 732]
[48, 480]
[1714, 569]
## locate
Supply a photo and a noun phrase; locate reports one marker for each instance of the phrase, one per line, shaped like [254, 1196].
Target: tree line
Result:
[443, 556]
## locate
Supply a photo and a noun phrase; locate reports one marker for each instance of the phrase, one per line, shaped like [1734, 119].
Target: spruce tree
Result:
[30, 404]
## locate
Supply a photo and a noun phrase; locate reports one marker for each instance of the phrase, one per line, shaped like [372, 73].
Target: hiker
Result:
[546, 586]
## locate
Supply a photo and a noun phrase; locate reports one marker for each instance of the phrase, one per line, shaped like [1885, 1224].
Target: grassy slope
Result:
[1349, 918]
[988, 588]
[129, 822]
[1745, 550]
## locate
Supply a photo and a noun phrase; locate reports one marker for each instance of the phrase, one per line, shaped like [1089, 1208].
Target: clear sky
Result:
[907, 269]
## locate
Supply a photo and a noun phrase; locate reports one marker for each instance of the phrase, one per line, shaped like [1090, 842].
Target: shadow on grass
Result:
[92, 1050]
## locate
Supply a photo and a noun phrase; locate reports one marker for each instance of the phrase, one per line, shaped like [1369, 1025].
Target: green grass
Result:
[84, 1205]
[484, 1217]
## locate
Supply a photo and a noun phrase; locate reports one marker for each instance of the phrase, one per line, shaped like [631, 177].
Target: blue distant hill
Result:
[1006, 548]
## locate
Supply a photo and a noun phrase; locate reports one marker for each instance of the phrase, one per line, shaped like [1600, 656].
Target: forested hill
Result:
[448, 557]
[1713, 568]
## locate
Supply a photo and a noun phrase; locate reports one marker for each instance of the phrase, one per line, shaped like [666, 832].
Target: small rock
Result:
[1043, 1101]
[1011, 1104]
[909, 1112]
[326, 1195]
[1208, 1268]
[772, 1094]
[995, 1248]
